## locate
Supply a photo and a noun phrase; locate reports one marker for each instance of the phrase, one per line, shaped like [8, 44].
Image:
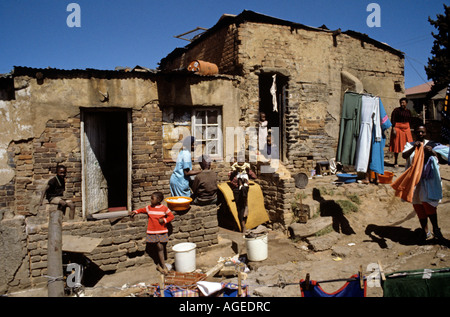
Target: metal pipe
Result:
[108, 215]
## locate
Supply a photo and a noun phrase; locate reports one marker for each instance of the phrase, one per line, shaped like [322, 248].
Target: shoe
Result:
[438, 234]
[422, 236]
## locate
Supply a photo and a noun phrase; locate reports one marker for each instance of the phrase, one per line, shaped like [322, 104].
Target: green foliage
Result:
[347, 206]
[324, 231]
[354, 198]
[325, 191]
[438, 68]
[295, 203]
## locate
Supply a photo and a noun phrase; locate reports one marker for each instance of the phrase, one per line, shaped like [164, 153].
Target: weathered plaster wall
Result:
[319, 64]
[314, 62]
[49, 132]
[58, 99]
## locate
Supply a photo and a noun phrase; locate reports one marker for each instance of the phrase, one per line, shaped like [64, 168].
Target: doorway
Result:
[273, 102]
[106, 143]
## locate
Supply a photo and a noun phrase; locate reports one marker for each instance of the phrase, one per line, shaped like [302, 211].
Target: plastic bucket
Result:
[385, 178]
[257, 248]
[184, 257]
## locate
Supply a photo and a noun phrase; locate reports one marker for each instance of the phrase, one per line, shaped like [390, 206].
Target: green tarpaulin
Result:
[418, 283]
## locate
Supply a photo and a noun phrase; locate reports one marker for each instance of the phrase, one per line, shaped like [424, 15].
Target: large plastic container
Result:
[203, 68]
[347, 178]
[257, 248]
[180, 203]
[385, 178]
[184, 257]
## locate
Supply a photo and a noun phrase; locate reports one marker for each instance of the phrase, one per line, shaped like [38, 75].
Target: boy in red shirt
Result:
[157, 233]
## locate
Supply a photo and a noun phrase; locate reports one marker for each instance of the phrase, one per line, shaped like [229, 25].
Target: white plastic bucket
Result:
[184, 257]
[257, 248]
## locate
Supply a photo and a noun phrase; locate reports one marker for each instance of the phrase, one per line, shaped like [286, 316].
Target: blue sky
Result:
[141, 32]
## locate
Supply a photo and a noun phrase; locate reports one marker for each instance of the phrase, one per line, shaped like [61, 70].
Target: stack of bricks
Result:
[199, 225]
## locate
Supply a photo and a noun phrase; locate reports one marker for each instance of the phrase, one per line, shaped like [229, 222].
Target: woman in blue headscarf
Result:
[179, 180]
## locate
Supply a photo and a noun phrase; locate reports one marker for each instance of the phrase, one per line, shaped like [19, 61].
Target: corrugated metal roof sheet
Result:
[83, 73]
[420, 89]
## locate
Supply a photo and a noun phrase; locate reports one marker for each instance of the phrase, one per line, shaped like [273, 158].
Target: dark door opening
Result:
[105, 159]
[275, 112]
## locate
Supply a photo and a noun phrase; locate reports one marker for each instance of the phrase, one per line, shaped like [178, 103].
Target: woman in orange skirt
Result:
[401, 129]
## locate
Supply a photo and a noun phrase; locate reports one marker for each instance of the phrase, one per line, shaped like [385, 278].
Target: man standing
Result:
[401, 130]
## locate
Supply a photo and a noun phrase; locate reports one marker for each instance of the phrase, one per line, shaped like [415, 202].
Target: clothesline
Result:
[426, 271]
[360, 93]
[394, 275]
[370, 95]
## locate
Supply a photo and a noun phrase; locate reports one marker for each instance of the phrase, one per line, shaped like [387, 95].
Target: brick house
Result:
[116, 131]
[314, 66]
[107, 128]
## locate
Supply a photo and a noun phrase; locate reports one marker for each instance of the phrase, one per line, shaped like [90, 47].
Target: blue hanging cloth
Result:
[351, 288]
[377, 156]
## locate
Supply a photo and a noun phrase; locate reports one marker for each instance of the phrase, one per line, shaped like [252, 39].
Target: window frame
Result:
[204, 138]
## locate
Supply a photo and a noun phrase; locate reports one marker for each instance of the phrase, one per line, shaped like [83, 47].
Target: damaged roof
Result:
[136, 72]
[119, 73]
[251, 16]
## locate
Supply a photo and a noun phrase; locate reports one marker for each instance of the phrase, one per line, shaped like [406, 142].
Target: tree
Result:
[438, 68]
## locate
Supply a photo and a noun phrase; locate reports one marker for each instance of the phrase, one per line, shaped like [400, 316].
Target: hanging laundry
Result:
[417, 283]
[377, 156]
[273, 92]
[370, 117]
[404, 185]
[262, 132]
[352, 288]
[349, 128]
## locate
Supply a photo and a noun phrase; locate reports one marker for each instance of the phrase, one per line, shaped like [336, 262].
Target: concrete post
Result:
[54, 257]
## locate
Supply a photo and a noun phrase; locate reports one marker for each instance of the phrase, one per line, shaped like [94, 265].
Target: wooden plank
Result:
[215, 269]
[383, 276]
[95, 182]
[110, 214]
[79, 244]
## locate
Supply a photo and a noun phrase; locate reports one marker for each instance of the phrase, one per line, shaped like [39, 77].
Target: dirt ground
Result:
[383, 230]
